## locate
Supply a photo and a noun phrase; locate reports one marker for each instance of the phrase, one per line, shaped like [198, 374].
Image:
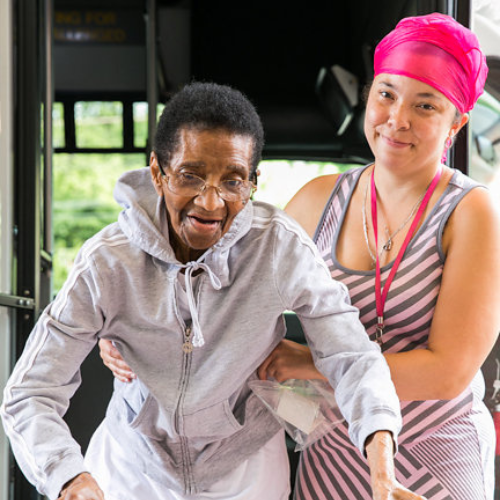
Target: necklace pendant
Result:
[187, 347]
[388, 245]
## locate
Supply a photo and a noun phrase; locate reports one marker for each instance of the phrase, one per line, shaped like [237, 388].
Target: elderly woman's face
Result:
[199, 221]
[407, 122]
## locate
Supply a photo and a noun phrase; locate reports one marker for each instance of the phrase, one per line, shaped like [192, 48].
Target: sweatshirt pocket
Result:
[212, 423]
[145, 416]
[134, 398]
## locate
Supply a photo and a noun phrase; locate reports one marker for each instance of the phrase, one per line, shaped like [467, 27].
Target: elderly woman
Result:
[418, 246]
[190, 284]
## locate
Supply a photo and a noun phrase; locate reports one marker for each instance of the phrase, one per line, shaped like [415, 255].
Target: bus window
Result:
[279, 180]
[58, 125]
[485, 145]
[99, 124]
[140, 113]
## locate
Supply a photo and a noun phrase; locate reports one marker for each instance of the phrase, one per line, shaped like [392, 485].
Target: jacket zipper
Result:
[187, 348]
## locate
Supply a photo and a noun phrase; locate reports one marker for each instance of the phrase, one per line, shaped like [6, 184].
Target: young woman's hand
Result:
[81, 487]
[113, 360]
[289, 360]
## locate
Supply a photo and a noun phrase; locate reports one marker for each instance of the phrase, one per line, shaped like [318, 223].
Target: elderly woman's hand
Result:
[82, 487]
[379, 451]
[113, 360]
[393, 491]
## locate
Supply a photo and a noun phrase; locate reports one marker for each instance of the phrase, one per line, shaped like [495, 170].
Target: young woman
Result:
[418, 246]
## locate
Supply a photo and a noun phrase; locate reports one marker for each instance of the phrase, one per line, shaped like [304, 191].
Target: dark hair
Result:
[203, 106]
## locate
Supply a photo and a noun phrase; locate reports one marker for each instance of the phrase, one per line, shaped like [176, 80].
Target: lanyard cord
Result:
[381, 295]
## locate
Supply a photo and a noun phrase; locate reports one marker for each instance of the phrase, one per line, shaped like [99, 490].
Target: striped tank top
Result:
[426, 461]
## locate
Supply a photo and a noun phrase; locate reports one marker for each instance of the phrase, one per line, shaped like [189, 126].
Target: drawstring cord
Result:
[198, 339]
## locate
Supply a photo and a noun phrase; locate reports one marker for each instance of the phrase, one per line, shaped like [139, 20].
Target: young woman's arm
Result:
[466, 320]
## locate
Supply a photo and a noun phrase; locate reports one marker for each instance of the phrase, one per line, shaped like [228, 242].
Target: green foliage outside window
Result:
[99, 124]
[83, 201]
[58, 125]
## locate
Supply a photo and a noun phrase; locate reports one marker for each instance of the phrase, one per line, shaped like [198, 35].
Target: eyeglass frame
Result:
[253, 186]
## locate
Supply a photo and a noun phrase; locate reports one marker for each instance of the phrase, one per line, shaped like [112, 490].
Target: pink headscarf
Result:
[438, 51]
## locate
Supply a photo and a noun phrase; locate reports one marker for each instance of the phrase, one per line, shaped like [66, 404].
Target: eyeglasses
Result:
[185, 184]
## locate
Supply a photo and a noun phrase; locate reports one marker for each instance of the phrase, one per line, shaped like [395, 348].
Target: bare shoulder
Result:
[478, 207]
[476, 217]
[307, 206]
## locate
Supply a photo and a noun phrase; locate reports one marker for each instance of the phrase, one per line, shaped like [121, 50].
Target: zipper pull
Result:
[187, 346]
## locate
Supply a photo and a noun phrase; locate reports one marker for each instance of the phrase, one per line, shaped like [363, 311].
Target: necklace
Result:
[388, 244]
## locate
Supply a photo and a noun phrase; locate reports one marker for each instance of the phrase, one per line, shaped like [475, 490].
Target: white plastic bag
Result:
[306, 409]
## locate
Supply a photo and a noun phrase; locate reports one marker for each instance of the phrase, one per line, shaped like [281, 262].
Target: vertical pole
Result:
[6, 219]
[152, 80]
[459, 156]
[28, 98]
[47, 121]
[46, 254]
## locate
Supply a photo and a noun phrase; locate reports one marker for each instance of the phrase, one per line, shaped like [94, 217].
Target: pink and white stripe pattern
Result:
[442, 448]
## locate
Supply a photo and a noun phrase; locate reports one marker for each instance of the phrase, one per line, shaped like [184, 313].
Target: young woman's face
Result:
[407, 122]
[198, 222]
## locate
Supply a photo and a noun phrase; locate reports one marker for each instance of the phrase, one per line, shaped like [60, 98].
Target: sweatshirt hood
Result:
[144, 221]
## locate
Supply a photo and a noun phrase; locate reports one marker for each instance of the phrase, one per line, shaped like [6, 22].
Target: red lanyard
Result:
[381, 295]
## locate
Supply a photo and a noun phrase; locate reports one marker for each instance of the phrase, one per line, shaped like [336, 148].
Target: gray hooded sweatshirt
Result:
[190, 417]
